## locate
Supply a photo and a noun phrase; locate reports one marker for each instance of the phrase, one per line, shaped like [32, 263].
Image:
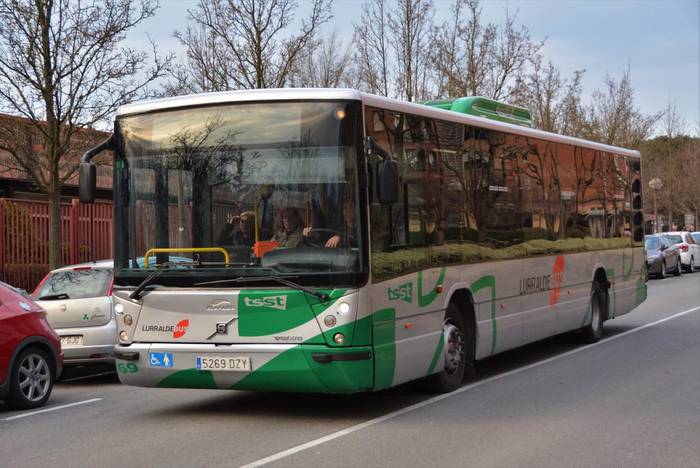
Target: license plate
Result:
[72, 340]
[224, 363]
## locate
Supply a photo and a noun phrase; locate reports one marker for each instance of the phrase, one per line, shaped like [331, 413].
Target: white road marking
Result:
[87, 376]
[408, 409]
[54, 408]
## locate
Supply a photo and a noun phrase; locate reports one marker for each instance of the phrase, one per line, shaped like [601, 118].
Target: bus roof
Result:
[343, 94]
[484, 107]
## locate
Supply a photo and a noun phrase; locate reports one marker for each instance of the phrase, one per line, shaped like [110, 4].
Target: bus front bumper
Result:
[274, 367]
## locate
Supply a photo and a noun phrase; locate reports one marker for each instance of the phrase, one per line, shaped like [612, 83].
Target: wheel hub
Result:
[454, 347]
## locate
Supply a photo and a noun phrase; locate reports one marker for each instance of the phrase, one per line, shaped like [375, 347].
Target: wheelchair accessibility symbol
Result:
[160, 359]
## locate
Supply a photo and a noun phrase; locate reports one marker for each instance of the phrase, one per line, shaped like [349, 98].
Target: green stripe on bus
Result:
[432, 293]
[189, 378]
[384, 332]
[488, 281]
[269, 312]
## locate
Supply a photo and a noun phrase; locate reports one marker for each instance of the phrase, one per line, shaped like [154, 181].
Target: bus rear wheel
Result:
[457, 357]
[592, 332]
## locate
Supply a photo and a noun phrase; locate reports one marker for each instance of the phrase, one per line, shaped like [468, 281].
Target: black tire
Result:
[662, 275]
[691, 267]
[679, 268]
[593, 332]
[458, 340]
[41, 380]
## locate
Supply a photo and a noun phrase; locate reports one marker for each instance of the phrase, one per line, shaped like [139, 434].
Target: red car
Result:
[30, 351]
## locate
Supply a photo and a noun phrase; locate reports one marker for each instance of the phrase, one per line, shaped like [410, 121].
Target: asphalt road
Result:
[631, 400]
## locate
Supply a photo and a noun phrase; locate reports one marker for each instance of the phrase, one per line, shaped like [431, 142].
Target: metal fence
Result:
[86, 235]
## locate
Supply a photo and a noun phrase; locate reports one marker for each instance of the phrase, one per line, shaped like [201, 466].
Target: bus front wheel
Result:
[456, 353]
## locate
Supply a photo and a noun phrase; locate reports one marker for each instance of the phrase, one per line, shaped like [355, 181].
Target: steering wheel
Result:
[315, 241]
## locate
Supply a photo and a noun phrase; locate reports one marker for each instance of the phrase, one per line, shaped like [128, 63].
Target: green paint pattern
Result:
[295, 370]
[426, 300]
[269, 312]
[384, 334]
[484, 282]
[189, 378]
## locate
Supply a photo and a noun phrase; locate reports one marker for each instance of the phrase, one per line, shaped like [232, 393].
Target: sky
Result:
[659, 39]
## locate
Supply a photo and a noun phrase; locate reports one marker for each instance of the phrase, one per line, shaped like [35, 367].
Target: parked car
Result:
[78, 303]
[17, 290]
[695, 236]
[30, 351]
[688, 247]
[662, 256]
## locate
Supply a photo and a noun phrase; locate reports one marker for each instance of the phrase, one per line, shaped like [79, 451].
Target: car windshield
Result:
[78, 283]
[674, 238]
[652, 243]
[240, 190]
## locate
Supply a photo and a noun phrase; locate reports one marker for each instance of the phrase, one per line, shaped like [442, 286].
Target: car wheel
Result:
[31, 380]
[592, 332]
[457, 356]
[691, 267]
[662, 275]
[679, 268]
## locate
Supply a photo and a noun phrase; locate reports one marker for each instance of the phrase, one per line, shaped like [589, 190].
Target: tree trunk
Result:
[54, 229]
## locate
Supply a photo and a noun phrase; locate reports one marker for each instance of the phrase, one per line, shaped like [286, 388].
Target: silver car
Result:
[79, 307]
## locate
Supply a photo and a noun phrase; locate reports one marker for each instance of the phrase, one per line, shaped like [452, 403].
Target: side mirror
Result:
[88, 171]
[88, 182]
[387, 173]
[388, 182]
[372, 147]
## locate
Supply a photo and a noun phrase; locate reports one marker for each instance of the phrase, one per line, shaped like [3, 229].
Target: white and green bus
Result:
[329, 240]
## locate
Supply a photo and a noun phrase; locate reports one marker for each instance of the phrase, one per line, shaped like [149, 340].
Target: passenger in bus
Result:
[292, 234]
[238, 230]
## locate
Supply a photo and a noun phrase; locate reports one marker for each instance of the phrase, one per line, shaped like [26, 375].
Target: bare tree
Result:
[474, 58]
[327, 63]
[410, 25]
[371, 40]
[552, 100]
[672, 122]
[62, 68]
[614, 117]
[244, 44]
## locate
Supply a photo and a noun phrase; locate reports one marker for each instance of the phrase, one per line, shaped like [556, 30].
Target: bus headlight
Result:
[343, 308]
[128, 320]
[119, 309]
[123, 335]
[339, 338]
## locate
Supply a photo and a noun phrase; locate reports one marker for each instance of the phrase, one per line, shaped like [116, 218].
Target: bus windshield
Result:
[247, 189]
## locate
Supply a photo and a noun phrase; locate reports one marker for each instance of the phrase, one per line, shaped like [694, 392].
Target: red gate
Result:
[86, 235]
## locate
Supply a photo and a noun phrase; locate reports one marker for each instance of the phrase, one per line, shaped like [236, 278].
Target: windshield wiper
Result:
[280, 279]
[50, 297]
[136, 293]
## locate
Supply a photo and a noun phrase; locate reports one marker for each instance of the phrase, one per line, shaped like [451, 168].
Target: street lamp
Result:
[655, 185]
